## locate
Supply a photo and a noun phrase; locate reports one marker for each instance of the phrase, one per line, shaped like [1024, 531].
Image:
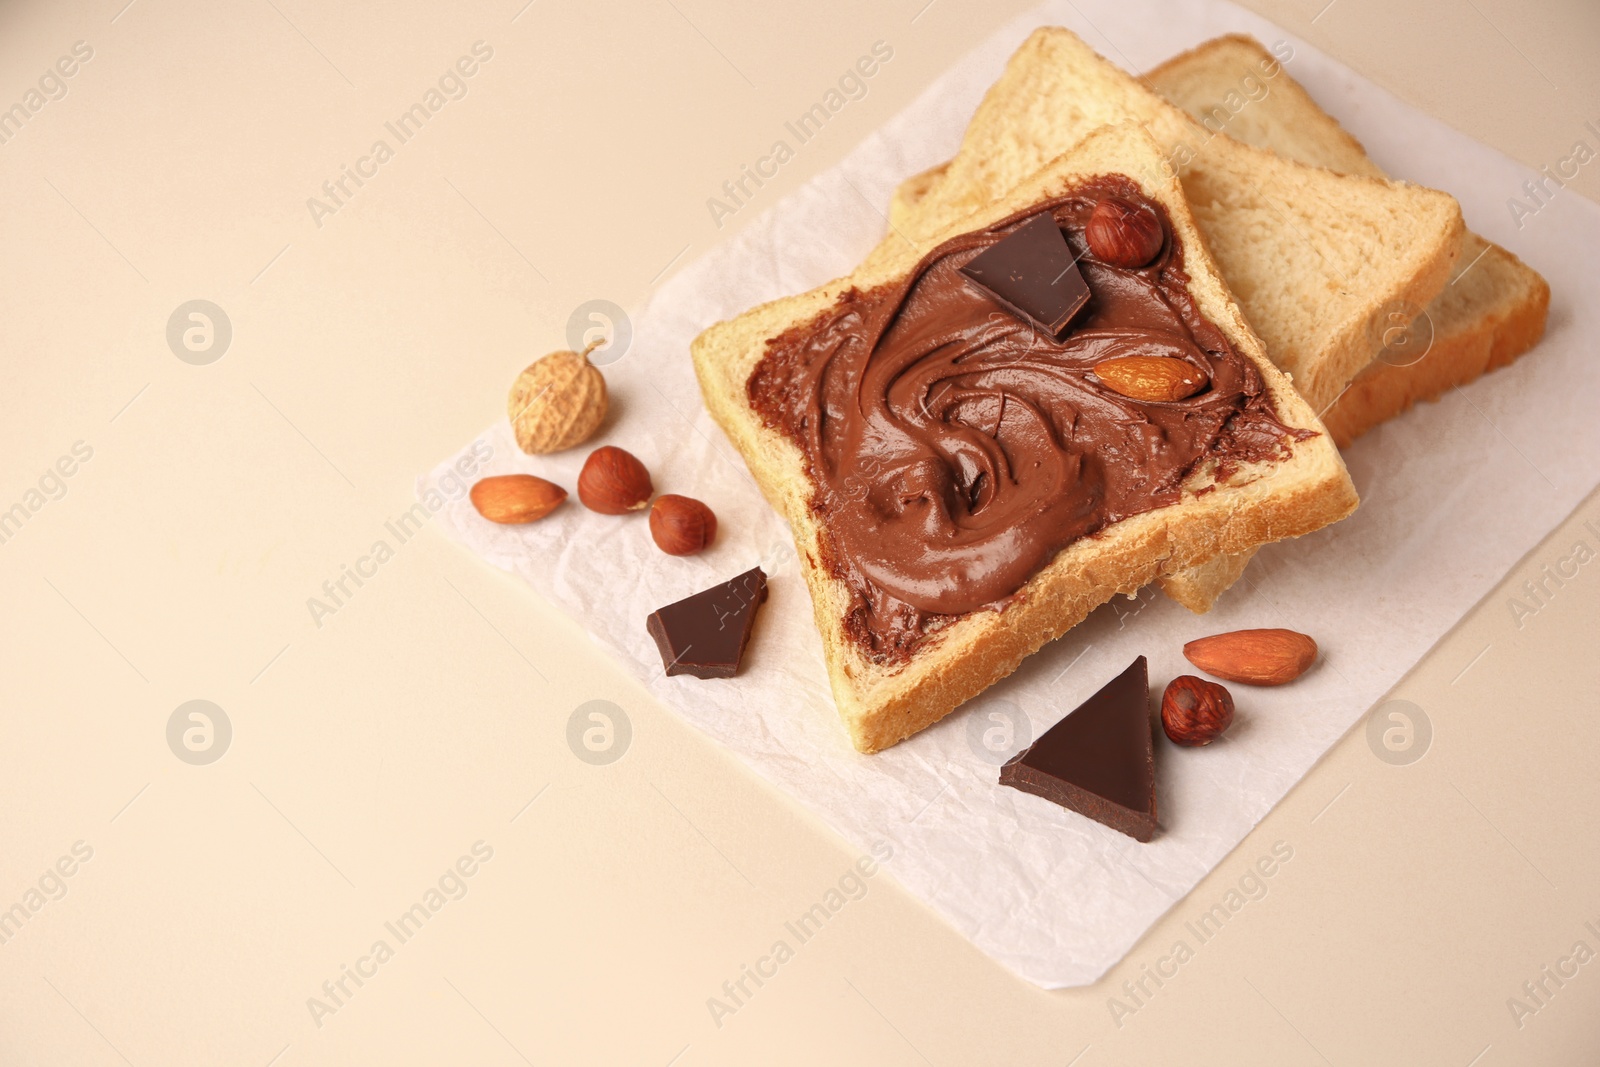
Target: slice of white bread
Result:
[1492, 311]
[1314, 258]
[883, 703]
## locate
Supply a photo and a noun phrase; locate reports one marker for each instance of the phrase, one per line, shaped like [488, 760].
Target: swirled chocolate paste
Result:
[955, 449]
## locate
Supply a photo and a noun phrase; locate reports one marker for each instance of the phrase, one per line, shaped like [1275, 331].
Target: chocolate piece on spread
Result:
[705, 635]
[1100, 760]
[953, 449]
[1033, 273]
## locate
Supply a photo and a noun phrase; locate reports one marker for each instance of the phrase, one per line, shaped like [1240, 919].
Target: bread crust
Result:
[882, 704]
[1462, 349]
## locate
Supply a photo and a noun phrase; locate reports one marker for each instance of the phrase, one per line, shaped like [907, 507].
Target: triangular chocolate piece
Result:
[1031, 272]
[1100, 760]
[704, 635]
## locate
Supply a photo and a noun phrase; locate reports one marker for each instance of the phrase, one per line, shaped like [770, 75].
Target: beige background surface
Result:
[372, 752]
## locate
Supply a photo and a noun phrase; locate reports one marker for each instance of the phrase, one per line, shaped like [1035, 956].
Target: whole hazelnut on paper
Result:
[614, 482]
[1194, 711]
[1123, 234]
[681, 525]
[557, 403]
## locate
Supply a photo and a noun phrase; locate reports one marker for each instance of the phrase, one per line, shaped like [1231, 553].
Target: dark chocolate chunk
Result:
[705, 635]
[1032, 273]
[1100, 760]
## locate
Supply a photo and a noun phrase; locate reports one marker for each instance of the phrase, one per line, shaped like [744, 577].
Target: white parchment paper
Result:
[1453, 494]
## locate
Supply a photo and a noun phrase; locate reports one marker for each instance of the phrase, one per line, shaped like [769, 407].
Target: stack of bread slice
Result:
[1407, 346]
[1298, 263]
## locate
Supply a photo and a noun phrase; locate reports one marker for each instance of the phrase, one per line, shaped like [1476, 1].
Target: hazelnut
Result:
[558, 402]
[614, 482]
[1123, 234]
[1194, 711]
[516, 498]
[681, 525]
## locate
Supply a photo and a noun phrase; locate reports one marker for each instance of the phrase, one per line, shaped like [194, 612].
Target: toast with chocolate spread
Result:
[973, 455]
[1319, 261]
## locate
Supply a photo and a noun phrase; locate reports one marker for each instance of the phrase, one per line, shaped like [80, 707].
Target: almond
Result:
[1151, 377]
[516, 498]
[1254, 657]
